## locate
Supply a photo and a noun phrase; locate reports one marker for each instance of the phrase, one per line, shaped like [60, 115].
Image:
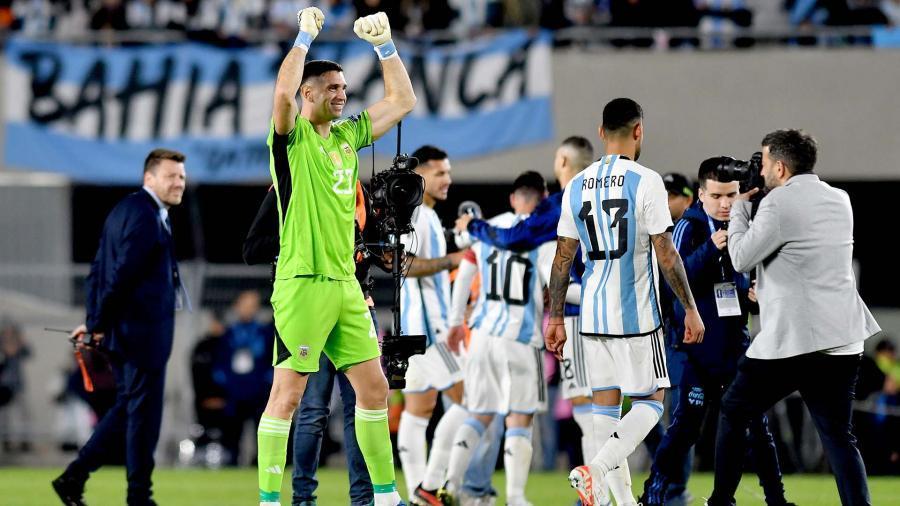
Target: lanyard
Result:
[712, 230]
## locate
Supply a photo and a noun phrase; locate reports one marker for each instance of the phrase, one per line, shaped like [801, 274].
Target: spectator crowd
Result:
[232, 373]
[238, 22]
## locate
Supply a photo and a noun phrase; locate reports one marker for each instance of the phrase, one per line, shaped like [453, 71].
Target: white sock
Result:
[585, 420]
[389, 499]
[516, 462]
[436, 472]
[618, 479]
[605, 420]
[464, 442]
[411, 447]
[632, 429]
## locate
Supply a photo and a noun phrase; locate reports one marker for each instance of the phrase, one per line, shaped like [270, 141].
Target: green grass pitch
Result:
[192, 487]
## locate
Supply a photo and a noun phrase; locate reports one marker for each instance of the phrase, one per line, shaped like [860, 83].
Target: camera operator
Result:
[813, 321]
[721, 296]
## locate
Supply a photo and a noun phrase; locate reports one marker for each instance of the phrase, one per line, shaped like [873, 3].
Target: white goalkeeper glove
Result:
[310, 21]
[376, 30]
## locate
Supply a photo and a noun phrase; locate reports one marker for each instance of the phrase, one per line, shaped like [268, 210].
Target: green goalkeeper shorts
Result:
[316, 314]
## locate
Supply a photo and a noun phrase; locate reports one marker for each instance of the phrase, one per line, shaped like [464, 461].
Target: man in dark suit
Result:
[132, 293]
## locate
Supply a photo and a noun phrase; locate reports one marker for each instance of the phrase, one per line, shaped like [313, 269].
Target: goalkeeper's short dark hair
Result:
[316, 68]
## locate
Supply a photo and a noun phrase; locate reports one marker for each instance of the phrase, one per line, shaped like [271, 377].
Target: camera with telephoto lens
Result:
[747, 172]
[396, 193]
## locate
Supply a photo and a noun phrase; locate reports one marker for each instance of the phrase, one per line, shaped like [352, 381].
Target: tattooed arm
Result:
[559, 274]
[559, 284]
[673, 270]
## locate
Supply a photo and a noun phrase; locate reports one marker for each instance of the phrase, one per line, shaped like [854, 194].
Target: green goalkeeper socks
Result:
[375, 444]
[272, 439]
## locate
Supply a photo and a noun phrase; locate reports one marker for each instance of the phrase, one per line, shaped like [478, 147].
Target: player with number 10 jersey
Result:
[505, 364]
[511, 305]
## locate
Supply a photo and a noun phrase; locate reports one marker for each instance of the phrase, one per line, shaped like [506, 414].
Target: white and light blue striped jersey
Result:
[511, 302]
[425, 301]
[613, 207]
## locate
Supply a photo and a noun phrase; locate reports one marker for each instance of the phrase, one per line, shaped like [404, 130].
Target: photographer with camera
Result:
[318, 305]
[813, 321]
[721, 295]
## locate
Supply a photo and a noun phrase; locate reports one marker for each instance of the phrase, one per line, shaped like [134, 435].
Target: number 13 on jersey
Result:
[615, 244]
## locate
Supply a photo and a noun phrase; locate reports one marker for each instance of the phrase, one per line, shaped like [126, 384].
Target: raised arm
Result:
[673, 270]
[399, 97]
[284, 109]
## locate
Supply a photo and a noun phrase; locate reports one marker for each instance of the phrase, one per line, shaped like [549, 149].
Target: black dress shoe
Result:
[69, 490]
[149, 502]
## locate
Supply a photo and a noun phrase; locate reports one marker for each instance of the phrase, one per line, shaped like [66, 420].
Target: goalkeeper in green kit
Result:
[318, 304]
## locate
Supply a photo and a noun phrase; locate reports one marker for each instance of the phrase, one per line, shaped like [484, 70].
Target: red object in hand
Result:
[85, 377]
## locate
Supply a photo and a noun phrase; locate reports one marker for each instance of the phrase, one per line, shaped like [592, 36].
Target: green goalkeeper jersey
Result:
[315, 181]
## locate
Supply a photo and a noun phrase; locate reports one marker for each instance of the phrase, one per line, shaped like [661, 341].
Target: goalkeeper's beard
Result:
[329, 112]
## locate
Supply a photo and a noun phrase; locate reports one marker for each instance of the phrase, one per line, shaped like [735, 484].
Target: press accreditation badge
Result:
[727, 299]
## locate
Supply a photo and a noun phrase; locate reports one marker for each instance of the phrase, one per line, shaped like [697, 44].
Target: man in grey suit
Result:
[813, 322]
